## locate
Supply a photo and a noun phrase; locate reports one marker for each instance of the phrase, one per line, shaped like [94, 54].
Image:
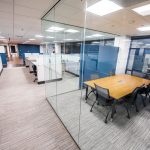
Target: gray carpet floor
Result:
[93, 134]
[27, 122]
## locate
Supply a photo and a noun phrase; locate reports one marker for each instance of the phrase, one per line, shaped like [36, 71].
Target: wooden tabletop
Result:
[118, 85]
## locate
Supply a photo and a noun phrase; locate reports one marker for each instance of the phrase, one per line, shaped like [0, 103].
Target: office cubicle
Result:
[84, 54]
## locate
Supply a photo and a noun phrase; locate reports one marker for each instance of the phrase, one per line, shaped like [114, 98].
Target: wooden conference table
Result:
[118, 85]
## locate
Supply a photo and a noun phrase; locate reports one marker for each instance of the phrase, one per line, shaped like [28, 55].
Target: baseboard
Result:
[72, 73]
[1, 71]
[41, 82]
[5, 65]
[48, 81]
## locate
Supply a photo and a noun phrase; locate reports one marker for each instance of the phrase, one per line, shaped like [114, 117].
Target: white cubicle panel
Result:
[1, 65]
[72, 63]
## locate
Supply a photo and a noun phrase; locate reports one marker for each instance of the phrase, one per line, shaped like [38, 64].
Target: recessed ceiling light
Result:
[25, 42]
[143, 10]
[97, 35]
[89, 36]
[39, 36]
[54, 29]
[68, 39]
[72, 31]
[50, 37]
[103, 7]
[58, 41]
[95, 42]
[146, 28]
[31, 39]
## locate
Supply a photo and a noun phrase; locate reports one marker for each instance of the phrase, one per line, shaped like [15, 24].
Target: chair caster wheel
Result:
[90, 110]
[128, 117]
[106, 121]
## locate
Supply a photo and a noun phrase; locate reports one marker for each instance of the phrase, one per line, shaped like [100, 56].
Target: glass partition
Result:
[139, 57]
[75, 53]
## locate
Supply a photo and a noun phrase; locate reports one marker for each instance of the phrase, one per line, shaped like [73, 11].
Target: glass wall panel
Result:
[139, 57]
[72, 56]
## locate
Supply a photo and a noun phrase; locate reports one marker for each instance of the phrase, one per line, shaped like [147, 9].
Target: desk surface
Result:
[31, 59]
[119, 85]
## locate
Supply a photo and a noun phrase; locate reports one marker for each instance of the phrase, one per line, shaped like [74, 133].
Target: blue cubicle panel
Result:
[27, 48]
[4, 58]
[97, 61]
[107, 60]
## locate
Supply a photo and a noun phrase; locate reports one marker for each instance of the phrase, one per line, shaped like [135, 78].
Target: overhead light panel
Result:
[54, 29]
[50, 37]
[143, 10]
[145, 28]
[31, 39]
[39, 36]
[104, 7]
[68, 39]
[72, 31]
[97, 35]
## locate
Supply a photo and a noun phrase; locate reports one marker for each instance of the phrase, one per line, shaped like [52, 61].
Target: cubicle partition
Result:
[3, 55]
[1, 65]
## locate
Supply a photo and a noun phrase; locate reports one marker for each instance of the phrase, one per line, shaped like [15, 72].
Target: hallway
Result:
[27, 122]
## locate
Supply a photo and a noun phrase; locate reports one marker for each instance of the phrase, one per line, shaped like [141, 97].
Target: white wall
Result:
[123, 43]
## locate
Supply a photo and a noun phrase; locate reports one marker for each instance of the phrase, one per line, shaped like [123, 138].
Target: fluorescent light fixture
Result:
[89, 36]
[103, 7]
[95, 42]
[145, 28]
[58, 41]
[50, 37]
[97, 35]
[72, 31]
[31, 39]
[54, 29]
[39, 36]
[25, 42]
[94, 35]
[68, 39]
[143, 10]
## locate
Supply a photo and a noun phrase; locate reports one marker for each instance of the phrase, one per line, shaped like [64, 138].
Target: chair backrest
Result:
[34, 68]
[138, 74]
[148, 88]
[134, 94]
[102, 92]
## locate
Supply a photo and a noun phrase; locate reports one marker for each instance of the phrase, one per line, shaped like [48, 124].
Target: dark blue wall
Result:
[27, 48]
[4, 58]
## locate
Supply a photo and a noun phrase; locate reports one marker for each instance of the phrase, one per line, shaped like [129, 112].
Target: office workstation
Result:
[85, 75]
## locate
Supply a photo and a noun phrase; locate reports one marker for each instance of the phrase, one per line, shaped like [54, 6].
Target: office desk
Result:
[118, 85]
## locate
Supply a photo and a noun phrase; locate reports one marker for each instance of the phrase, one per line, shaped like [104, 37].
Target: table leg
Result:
[86, 95]
[113, 110]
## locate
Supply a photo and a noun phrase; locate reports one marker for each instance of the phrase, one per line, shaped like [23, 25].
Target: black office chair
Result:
[131, 100]
[146, 91]
[103, 98]
[34, 72]
[138, 74]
